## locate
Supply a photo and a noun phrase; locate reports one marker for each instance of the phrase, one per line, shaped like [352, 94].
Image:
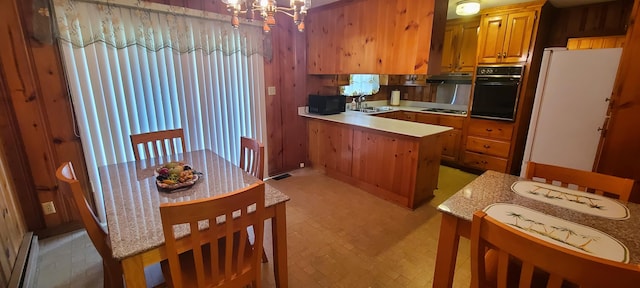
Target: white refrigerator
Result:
[570, 106]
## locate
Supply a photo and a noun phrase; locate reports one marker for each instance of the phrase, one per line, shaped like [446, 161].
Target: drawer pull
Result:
[489, 129]
[486, 146]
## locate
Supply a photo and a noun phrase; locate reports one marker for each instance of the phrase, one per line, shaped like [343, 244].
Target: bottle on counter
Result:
[354, 105]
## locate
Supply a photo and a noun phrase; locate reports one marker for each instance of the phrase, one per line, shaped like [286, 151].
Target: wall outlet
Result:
[48, 208]
[301, 164]
[271, 90]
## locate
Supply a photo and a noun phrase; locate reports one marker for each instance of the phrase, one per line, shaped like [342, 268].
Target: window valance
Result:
[83, 23]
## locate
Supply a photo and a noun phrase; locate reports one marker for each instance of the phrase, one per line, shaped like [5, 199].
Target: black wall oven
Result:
[496, 91]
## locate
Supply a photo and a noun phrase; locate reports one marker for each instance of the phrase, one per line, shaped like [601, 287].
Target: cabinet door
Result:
[492, 30]
[449, 48]
[518, 36]
[468, 47]
[451, 145]
[596, 42]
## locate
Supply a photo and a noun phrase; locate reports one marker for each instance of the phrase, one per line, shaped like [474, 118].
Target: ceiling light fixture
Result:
[267, 9]
[467, 7]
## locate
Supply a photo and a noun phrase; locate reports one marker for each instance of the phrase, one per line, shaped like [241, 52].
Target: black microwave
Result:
[326, 105]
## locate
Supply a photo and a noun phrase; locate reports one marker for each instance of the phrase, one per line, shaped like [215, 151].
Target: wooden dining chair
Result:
[558, 264]
[99, 237]
[159, 143]
[220, 255]
[588, 181]
[252, 157]
[252, 162]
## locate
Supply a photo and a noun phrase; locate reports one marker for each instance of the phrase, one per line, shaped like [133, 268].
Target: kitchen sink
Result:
[375, 109]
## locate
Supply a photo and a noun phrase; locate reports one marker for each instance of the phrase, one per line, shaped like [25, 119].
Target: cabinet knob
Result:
[498, 56]
[504, 55]
[489, 129]
[486, 146]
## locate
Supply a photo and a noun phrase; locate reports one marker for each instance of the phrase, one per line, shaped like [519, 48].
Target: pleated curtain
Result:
[132, 69]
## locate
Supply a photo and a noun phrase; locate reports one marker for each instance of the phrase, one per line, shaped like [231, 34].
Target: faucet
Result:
[359, 101]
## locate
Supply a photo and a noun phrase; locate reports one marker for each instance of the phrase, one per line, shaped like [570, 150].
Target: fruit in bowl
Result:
[174, 175]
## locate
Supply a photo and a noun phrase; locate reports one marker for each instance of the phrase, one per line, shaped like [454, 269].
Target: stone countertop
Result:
[495, 187]
[132, 200]
[365, 120]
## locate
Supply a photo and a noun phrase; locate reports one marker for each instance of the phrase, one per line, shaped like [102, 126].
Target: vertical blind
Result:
[132, 70]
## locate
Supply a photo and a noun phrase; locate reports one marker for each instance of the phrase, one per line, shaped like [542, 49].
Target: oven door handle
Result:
[498, 83]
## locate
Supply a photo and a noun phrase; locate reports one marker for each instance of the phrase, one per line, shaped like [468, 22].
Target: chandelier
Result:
[267, 10]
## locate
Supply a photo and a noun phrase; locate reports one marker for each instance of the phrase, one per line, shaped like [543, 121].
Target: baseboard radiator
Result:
[24, 270]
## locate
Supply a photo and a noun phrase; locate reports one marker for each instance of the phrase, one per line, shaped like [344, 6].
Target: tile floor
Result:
[338, 236]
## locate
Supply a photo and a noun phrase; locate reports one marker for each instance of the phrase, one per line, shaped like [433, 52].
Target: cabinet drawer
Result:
[452, 121]
[488, 146]
[490, 129]
[427, 118]
[390, 115]
[407, 116]
[485, 162]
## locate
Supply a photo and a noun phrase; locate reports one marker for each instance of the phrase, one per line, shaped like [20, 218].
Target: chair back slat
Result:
[228, 216]
[540, 260]
[159, 143]
[587, 181]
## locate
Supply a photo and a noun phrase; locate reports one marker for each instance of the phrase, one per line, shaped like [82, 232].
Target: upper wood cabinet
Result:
[506, 37]
[374, 36]
[596, 42]
[460, 44]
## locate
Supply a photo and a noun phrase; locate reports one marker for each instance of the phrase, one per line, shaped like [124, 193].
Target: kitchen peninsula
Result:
[393, 159]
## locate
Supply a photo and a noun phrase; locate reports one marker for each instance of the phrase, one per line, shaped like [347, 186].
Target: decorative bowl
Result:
[175, 175]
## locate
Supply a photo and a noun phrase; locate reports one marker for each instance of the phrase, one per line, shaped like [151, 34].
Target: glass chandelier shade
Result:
[267, 10]
[468, 7]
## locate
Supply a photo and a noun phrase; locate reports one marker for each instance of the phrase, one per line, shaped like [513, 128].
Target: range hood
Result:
[452, 78]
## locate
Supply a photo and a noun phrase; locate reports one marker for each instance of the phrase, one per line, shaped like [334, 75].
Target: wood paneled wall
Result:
[601, 19]
[620, 150]
[287, 145]
[12, 227]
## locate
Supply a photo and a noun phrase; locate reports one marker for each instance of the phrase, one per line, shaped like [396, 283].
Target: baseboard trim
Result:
[24, 270]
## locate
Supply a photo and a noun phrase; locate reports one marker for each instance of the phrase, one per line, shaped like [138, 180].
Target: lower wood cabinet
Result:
[398, 168]
[452, 139]
[488, 145]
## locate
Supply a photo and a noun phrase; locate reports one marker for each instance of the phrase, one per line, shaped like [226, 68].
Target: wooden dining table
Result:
[132, 202]
[494, 187]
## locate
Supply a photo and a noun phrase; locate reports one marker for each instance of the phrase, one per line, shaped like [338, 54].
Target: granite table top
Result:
[132, 199]
[495, 187]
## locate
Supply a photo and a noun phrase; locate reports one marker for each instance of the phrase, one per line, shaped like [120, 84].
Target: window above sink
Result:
[361, 84]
